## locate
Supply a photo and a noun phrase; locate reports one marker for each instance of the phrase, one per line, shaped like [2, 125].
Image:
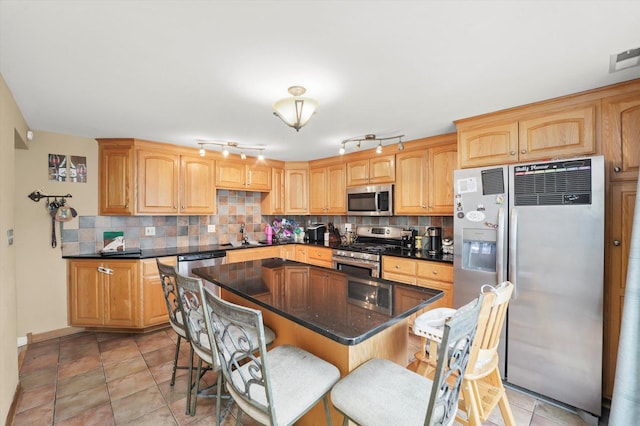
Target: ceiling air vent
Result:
[627, 59]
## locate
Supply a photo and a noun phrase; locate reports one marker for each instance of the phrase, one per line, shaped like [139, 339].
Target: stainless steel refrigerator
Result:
[541, 226]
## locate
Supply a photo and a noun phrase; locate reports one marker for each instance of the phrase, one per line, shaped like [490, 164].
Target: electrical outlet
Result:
[211, 228]
[150, 231]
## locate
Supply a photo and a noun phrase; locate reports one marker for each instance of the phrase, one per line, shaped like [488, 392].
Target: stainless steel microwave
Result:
[370, 200]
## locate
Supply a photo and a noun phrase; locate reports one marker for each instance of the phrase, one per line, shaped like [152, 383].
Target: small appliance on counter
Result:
[315, 232]
[434, 237]
[447, 246]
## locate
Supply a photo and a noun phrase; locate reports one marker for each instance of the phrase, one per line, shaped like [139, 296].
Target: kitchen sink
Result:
[250, 243]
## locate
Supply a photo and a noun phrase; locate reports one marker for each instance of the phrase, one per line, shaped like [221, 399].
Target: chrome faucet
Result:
[245, 239]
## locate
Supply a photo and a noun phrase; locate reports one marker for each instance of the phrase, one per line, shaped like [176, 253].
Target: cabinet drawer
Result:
[391, 276]
[435, 271]
[397, 265]
[319, 254]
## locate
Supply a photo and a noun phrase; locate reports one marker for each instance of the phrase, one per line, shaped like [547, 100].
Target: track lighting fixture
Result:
[368, 138]
[225, 146]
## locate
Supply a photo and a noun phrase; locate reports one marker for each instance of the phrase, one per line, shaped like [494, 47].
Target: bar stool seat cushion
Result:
[364, 394]
[298, 380]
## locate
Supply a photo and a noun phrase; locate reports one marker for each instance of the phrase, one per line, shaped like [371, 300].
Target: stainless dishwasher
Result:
[187, 262]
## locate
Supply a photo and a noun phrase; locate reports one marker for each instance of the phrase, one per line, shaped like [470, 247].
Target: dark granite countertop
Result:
[177, 251]
[326, 301]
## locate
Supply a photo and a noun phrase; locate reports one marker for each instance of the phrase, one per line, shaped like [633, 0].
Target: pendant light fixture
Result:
[296, 110]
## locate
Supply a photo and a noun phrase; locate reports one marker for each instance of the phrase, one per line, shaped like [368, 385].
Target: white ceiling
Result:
[178, 71]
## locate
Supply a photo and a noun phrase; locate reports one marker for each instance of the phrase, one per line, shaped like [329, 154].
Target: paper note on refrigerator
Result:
[467, 185]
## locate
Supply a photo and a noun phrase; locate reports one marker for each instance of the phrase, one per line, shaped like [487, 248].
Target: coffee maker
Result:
[434, 240]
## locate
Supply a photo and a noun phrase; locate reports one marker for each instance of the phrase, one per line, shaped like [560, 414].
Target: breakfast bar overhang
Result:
[341, 318]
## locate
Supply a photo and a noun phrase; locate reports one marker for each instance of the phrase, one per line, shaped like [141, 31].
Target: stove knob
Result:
[352, 254]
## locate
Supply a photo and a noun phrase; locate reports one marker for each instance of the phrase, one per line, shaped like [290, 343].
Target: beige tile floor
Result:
[123, 379]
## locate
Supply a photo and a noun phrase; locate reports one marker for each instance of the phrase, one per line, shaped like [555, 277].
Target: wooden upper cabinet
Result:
[197, 194]
[240, 175]
[411, 183]
[488, 146]
[328, 190]
[375, 170]
[296, 184]
[116, 194]
[158, 174]
[424, 179]
[443, 161]
[621, 130]
[141, 177]
[568, 131]
[273, 201]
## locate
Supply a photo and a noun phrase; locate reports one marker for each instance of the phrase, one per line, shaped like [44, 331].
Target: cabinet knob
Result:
[435, 272]
[397, 266]
[617, 169]
[175, 207]
[512, 153]
[616, 243]
[423, 206]
[126, 206]
[523, 151]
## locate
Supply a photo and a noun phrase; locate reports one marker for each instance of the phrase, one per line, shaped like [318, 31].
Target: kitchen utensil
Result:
[53, 209]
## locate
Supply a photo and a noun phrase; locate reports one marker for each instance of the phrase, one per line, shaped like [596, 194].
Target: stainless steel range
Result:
[363, 257]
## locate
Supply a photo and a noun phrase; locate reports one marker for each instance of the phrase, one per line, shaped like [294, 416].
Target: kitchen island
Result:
[341, 318]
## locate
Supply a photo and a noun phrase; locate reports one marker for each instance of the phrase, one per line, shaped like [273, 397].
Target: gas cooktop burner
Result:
[369, 247]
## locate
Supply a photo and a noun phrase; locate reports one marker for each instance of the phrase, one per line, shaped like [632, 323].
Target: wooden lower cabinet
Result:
[319, 256]
[257, 253]
[103, 293]
[423, 273]
[124, 294]
[154, 307]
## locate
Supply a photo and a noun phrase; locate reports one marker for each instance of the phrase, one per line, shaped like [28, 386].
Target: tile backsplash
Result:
[234, 208]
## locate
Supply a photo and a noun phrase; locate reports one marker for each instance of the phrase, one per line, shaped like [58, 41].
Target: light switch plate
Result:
[211, 228]
[150, 231]
[10, 237]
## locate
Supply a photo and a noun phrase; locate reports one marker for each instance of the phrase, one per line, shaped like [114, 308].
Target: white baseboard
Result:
[22, 340]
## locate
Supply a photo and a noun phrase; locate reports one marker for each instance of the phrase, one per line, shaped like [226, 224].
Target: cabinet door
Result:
[154, 307]
[318, 191]
[115, 181]
[621, 118]
[197, 191]
[121, 294]
[620, 211]
[411, 183]
[85, 295]
[442, 163]
[335, 189]
[258, 178]
[296, 191]
[273, 201]
[157, 182]
[301, 253]
[297, 291]
[230, 174]
[358, 172]
[564, 133]
[488, 146]
[382, 169]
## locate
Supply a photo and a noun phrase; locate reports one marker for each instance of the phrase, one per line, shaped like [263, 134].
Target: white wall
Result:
[40, 269]
[11, 122]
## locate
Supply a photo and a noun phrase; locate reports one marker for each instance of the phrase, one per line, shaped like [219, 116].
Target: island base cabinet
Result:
[103, 294]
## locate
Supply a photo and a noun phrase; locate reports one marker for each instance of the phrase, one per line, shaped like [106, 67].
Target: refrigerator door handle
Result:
[513, 248]
[500, 267]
